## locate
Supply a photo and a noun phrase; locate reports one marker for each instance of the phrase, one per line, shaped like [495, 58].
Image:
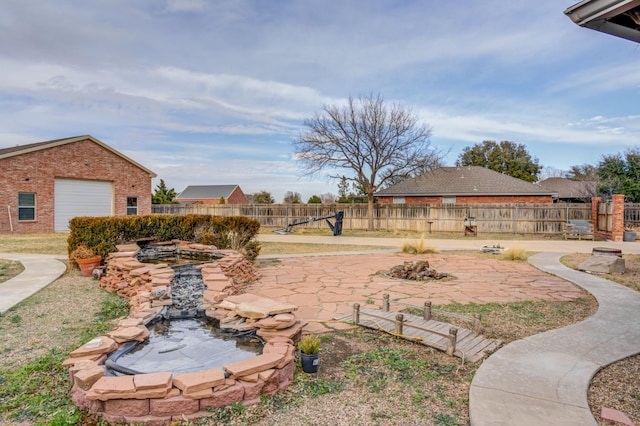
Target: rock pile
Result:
[415, 271]
[146, 285]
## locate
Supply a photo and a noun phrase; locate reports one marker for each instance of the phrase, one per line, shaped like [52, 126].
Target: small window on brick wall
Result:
[132, 206]
[448, 200]
[26, 206]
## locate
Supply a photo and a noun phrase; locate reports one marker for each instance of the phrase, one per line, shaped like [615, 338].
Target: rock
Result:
[603, 264]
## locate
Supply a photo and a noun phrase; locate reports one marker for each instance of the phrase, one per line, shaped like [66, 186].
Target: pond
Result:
[184, 345]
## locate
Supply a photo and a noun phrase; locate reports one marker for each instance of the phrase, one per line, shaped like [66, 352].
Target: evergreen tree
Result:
[263, 197]
[163, 195]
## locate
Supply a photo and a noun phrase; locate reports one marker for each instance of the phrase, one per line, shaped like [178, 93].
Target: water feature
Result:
[184, 345]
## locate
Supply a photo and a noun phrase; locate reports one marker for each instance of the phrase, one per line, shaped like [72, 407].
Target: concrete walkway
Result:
[544, 379]
[39, 271]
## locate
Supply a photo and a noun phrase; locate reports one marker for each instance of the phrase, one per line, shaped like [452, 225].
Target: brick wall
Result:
[36, 171]
[477, 199]
[237, 197]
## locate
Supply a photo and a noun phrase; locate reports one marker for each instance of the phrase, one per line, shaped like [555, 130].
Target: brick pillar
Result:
[594, 212]
[618, 217]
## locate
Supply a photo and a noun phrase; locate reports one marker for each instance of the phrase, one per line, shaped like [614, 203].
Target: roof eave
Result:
[460, 194]
[60, 142]
[594, 14]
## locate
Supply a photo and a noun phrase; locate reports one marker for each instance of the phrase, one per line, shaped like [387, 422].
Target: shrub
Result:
[515, 253]
[417, 247]
[309, 344]
[102, 234]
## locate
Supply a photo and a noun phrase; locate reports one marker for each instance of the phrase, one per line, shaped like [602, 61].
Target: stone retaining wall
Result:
[162, 397]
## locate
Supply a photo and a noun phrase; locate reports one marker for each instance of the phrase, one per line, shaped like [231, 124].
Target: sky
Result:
[213, 92]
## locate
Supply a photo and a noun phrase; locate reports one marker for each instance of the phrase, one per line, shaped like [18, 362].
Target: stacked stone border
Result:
[160, 398]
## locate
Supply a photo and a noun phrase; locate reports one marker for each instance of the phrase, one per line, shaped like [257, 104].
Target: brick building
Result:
[464, 185]
[212, 194]
[43, 185]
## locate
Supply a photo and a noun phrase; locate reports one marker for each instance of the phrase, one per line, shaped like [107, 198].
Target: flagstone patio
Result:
[325, 287]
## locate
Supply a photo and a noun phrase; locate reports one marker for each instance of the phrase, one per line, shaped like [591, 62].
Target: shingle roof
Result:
[205, 192]
[567, 188]
[467, 180]
[37, 146]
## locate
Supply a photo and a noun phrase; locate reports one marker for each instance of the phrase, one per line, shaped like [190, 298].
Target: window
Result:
[132, 206]
[26, 206]
[448, 200]
[398, 200]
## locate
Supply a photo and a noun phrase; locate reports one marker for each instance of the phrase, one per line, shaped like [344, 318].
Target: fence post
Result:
[426, 313]
[356, 313]
[385, 302]
[451, 348]
[618, 217]
[399, 321]
[386, 212]
[476, 323]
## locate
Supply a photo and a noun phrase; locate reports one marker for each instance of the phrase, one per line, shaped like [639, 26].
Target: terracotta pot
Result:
[88, 265]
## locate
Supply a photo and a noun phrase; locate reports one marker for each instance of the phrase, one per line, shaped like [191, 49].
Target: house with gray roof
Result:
[464, 185]
[571, 191]
[212, 194]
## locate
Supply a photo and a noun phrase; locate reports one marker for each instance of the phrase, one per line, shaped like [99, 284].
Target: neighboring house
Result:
[620, 18]
[43, 185]
[571, 191]
[464, 185]
[212, 194]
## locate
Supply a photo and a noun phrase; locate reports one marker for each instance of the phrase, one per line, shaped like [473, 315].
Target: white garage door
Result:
[75, 197]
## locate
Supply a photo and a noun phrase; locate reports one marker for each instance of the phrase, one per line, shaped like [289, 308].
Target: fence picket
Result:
[490, 218]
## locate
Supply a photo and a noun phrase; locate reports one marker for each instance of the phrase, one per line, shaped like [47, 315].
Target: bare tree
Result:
[377, 142]
[292, 197]
[328, 198]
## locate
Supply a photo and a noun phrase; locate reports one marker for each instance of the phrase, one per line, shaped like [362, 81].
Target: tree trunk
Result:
[370, 211]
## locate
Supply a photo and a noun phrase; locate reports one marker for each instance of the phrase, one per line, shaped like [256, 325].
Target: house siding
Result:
[36, 172]
[476, 199]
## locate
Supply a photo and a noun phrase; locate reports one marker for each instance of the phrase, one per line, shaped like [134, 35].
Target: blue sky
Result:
[214, 92]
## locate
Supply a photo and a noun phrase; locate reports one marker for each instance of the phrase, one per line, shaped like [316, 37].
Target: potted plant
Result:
[86, 259]
[309, 347]
[629, 234]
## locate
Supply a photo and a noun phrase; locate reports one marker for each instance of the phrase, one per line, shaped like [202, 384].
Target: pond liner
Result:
[111, 367]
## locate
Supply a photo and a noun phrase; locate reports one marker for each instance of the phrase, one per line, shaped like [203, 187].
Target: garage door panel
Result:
[75, 197]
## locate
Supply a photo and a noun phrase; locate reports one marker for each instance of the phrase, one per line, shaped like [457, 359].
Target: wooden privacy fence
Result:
[604, 221]
[632, 214]
[428, 218]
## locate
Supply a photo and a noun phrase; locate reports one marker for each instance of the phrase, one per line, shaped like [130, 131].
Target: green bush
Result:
[102, 234]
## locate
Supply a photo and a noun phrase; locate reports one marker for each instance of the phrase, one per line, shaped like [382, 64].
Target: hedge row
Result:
[102, 234]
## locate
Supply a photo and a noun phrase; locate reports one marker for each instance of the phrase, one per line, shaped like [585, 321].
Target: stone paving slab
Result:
[325, 287]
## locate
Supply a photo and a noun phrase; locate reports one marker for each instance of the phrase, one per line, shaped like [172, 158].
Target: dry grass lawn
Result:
[365, 377]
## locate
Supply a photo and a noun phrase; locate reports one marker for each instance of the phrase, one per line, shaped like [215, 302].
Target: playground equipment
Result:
[336, 227]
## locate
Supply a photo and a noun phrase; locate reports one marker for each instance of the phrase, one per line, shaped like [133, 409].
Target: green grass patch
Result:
[9, 269]
[38, 391]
